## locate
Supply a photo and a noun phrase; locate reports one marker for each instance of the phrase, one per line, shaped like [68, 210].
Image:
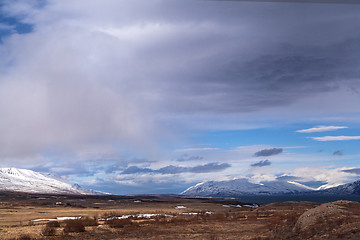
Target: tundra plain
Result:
[39, 216]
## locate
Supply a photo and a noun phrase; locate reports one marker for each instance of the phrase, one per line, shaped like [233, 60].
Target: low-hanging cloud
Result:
[171, 169]
[262, 163]
[287, 178]
[353, 170]
[268, 152]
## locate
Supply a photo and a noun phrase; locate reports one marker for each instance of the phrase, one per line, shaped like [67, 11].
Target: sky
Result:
[133, 97]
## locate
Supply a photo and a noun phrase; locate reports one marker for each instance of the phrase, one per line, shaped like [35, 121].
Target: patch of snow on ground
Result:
[195, 213]
[251, 206]
[56, 219]
[145, 215]
[180, 207]
[239, 206]
[150, 215]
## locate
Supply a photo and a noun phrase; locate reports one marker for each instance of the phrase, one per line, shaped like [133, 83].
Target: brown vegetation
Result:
[87, 221]
[53, 224]
[203, 219]
[74, 226]
[118, 223]
[48, 231]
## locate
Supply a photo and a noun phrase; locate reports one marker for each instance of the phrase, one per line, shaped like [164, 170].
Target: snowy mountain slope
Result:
[23, 180]
[346, 189]
[239, 187]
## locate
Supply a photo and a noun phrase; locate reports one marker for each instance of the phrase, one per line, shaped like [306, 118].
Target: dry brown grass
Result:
[119, 223]
[273, 221]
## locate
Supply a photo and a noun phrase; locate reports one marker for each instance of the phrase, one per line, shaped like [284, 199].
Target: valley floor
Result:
[32, 216]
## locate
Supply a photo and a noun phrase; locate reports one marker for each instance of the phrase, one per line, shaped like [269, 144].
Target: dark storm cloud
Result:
[289, 75]
[268, 152]
[186, 157]
[272, 80]
[125, 66]
[338, 153]
[354, 170]
[210, 167]
[296, 67]
[215, 57]
[261, 163]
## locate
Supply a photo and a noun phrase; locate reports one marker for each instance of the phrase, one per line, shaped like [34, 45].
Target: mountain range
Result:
[239, 187]
[23, 180]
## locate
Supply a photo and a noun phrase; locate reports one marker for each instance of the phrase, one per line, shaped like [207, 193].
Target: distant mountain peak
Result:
[24, 180]
[345, 189]
[242, 186]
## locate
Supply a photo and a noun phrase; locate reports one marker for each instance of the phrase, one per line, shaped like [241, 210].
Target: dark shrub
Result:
[25, 237]
[74, 226]
[110, 215]
[54, 224]
[48, 231]
[86, 221]
[118, 223]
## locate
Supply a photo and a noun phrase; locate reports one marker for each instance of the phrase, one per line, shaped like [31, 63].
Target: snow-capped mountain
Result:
[346, 189]
[239, 187]
[23, 180]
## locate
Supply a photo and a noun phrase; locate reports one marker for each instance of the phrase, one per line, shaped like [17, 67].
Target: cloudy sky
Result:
[155, 96]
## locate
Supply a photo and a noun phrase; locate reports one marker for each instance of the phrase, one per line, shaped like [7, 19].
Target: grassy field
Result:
[171, 217]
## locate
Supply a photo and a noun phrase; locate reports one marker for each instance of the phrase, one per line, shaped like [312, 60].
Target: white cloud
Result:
[321, 129]
[332, 176]
[335, 138]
